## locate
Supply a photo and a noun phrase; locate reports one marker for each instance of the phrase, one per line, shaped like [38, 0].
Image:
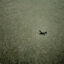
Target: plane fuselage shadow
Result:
[42, 33]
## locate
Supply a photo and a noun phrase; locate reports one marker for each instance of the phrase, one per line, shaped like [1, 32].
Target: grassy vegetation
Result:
[20, 22]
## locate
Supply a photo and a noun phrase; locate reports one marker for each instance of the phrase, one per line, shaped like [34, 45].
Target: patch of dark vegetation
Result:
[60, 58]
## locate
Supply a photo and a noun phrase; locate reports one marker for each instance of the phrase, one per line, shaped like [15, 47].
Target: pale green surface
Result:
[20, 22]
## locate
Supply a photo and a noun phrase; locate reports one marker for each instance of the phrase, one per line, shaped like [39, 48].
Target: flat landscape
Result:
[20, 41]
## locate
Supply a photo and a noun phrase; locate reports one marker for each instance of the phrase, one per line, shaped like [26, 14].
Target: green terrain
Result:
[20, 22]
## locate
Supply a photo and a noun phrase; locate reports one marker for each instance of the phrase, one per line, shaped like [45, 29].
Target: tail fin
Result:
[39, 30]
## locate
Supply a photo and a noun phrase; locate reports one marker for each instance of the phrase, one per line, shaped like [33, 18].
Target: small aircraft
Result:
[42, 33]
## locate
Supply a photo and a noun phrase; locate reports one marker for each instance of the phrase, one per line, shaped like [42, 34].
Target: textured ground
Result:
[20, 22]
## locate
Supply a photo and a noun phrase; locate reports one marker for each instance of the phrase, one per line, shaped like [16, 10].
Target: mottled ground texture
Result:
[20, 22]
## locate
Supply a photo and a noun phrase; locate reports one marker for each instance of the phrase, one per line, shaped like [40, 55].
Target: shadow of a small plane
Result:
[42, 33]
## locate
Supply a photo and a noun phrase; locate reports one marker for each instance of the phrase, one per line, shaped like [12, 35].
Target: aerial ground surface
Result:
[20, 22]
